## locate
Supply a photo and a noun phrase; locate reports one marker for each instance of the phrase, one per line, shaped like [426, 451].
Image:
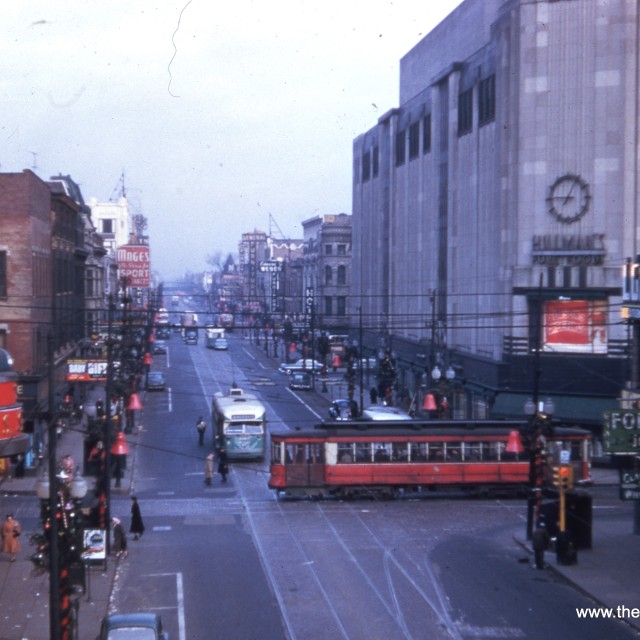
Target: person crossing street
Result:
[201, 426]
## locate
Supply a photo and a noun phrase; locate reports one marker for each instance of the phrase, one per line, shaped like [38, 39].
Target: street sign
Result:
[629, 484]
[309, 300]
[621, 433]
[271, 266]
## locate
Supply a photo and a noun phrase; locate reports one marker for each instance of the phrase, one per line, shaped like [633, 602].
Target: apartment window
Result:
[328, 306]
[366, 166]
[426, 133]
[328, 249]
[376, 162]
[342, 305]
[328, 275]
[107, 225]
[465, 112]
[487, 100]
[400, 147]
[414, 140]
[342, 274]
[3, 274]
[342, 249]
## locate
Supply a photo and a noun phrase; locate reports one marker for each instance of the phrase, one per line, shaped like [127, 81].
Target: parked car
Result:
[141, 626]
[340, 409]
[300, 381]
[384, 412]
[159, 347]
[220, 344]
[155, 381]
[301, 365]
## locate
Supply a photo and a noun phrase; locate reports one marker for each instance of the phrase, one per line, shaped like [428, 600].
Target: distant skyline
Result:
[216, 116]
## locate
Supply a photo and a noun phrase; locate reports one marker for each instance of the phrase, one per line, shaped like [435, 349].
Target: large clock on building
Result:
[568, 198]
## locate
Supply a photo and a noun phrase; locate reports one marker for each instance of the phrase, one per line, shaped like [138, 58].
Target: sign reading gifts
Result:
[134, 263]
[81, 370]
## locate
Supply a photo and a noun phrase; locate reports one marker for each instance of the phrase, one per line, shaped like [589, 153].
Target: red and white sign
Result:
[134, 263]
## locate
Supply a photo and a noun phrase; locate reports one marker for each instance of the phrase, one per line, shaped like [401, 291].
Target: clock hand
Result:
[569, 196]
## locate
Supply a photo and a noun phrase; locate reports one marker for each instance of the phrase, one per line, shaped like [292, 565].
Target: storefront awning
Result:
[13, 446]
[573, 409]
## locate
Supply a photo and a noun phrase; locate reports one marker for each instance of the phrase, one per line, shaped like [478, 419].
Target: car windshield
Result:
[156, 377]
[132, 633]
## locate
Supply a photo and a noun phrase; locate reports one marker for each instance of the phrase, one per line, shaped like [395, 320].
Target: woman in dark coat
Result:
[223, 466]
[137, 526]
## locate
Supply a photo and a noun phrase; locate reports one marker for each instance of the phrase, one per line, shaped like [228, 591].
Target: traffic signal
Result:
[563, 477]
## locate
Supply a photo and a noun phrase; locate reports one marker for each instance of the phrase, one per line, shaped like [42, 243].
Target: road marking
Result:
[161, 528]
[297, 397]
[182, 628]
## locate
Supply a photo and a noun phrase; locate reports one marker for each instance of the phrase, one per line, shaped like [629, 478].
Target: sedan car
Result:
[141, 626]
[300, 381]
[220, 344]
[159, 347]
[301, 365]
[155, 381]
[340, 409]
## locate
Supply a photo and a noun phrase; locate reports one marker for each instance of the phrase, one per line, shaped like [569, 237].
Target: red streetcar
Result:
[350, 459]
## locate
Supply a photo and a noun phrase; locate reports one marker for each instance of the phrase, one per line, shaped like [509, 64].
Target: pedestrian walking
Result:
[11, 531]
[223, 465]
[540, 542]
[119, 539]
[201, 426]
[137, 525]
[208, 469]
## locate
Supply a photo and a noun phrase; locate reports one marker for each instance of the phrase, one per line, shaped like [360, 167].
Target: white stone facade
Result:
[473, 222]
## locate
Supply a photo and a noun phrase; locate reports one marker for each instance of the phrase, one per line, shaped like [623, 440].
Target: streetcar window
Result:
[473, 451]
[452, 452]
[346, 452]
[495, 451]
[316, 453]
[418, 451]
[436, 451]
[400, 452]
[381, 452]
[363, 452]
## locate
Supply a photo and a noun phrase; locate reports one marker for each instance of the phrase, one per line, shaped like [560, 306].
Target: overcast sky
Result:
[218, 114]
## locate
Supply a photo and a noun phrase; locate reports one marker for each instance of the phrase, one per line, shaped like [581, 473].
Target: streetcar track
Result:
[389, 556]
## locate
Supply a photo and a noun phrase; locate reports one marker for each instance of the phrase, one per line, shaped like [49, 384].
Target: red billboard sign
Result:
[134, 264]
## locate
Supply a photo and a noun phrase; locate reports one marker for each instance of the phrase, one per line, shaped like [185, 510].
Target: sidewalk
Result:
[608, 572]
[24, 613]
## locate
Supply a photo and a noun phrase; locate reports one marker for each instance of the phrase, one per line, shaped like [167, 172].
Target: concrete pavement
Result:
[24, 592]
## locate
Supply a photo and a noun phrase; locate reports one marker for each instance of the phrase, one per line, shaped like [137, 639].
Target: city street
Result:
[235, 559]
[231, 560]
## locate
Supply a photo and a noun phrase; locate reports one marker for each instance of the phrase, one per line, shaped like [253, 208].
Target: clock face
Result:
[568, 198]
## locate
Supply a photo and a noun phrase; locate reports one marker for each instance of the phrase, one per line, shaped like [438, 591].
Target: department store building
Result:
[494, 209]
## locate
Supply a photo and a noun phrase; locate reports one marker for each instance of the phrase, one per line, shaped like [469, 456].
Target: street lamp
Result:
[63, 531]
[539, 412]
[119, 450]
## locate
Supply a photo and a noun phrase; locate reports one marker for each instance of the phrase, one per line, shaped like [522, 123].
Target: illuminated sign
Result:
[621, 433]
[86, 370]
[134, 264]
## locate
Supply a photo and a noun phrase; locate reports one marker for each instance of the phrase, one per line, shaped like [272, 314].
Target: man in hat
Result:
[540, 542]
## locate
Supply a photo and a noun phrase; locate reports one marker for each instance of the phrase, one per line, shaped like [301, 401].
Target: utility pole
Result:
[54, 557]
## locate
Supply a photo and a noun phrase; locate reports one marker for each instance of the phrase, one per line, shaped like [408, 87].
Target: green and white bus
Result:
[239, 423]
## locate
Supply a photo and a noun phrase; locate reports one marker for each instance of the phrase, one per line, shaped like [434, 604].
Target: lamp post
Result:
[62, 522]
[442, 389]
[119, 449]
[539, 414]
